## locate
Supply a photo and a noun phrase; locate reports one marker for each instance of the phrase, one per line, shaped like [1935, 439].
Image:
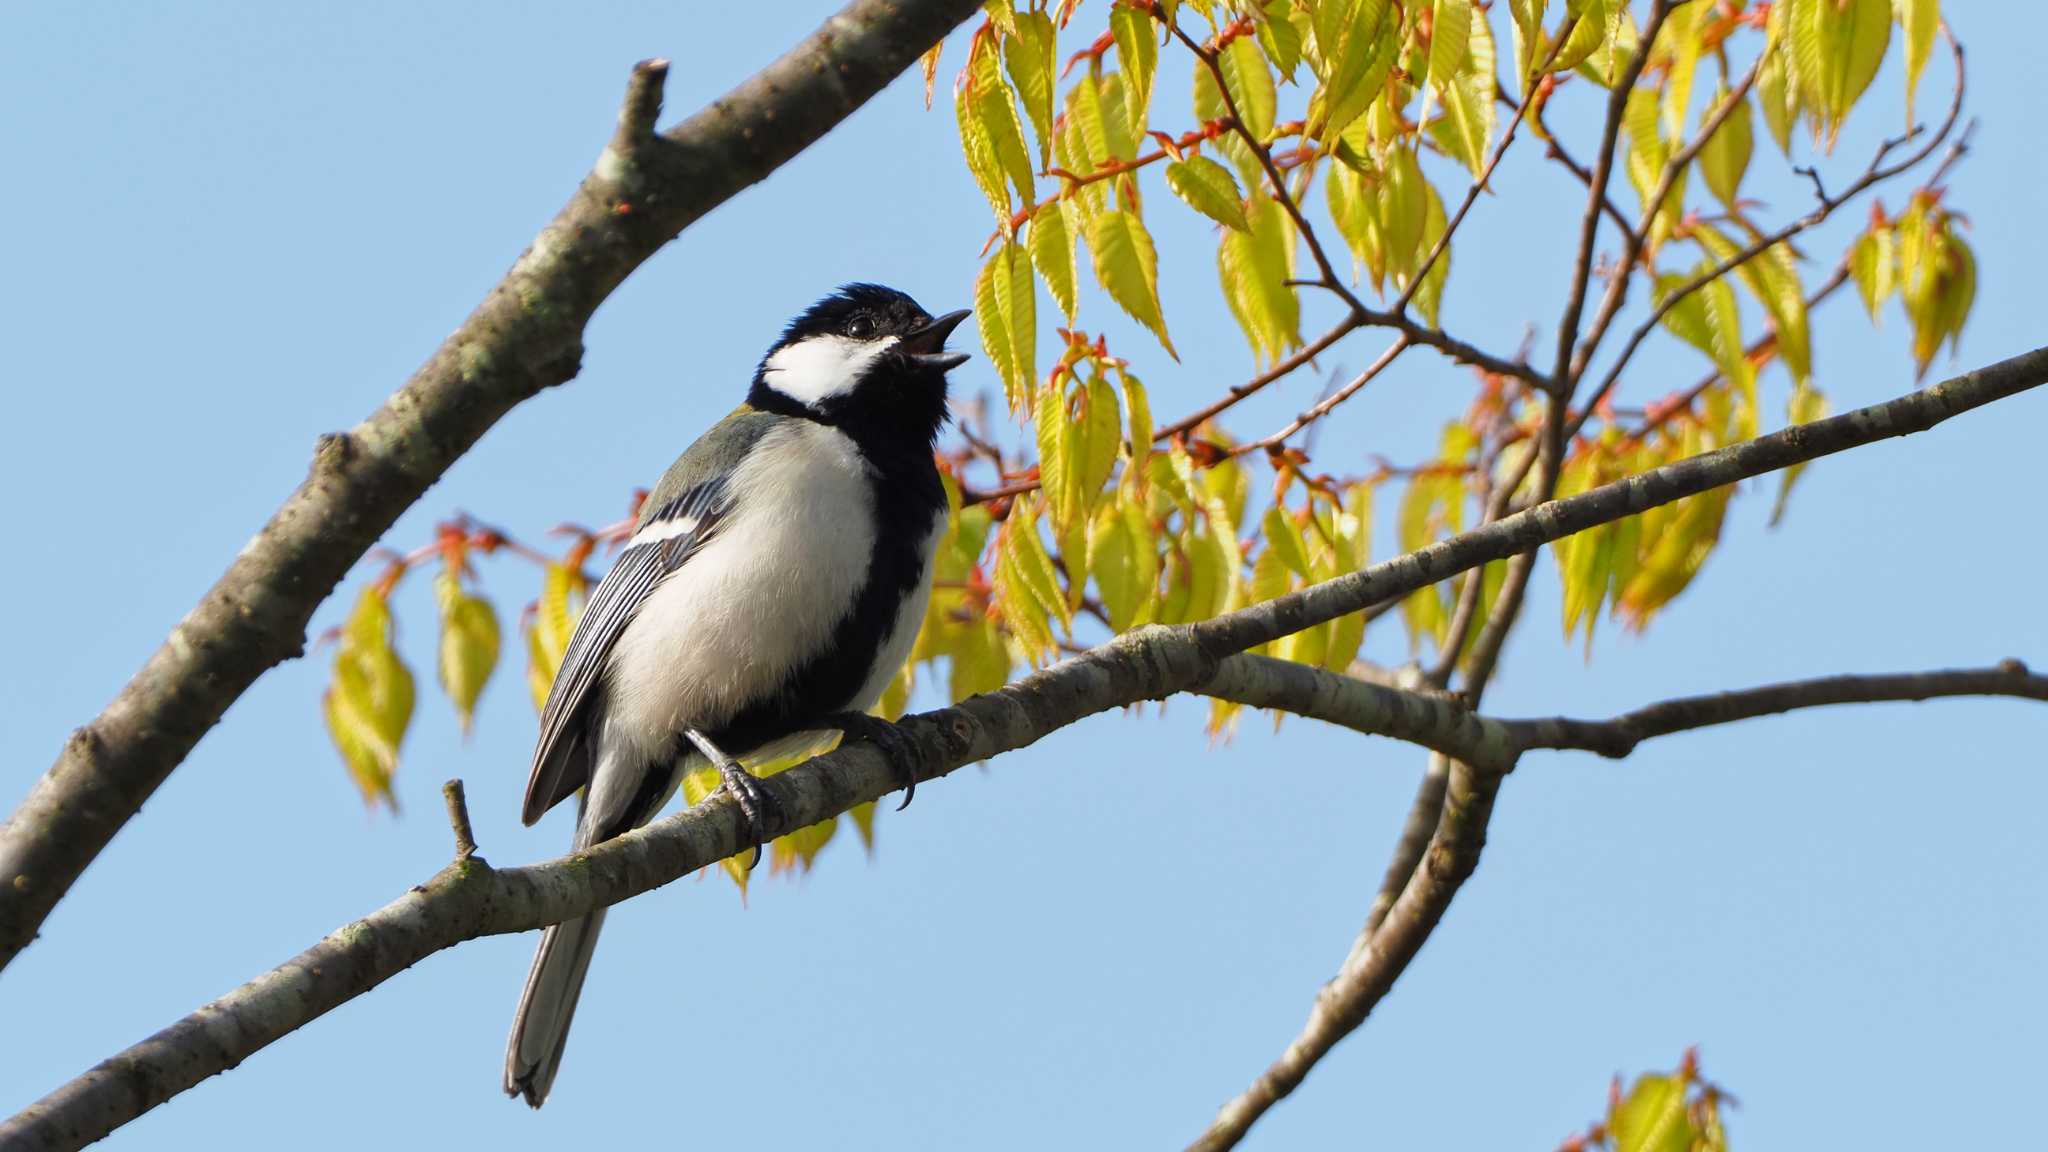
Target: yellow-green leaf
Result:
[1653, 1117]
[1873, 263]
[1255, 267]
[1137, 55]
[1029, 58]
[1919, 19]
[1805, 406]
[369, 704]
[1251, 85]
[1450, 27]
[1725, 156]
[1006, 311]
[1466, 127]
[1052, 253]
[1128, 268]
[1777, 96]
[1208, 188]
[469, 644]
[1837, 47]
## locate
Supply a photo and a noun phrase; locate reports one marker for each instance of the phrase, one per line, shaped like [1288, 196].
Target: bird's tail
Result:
[541, 1027]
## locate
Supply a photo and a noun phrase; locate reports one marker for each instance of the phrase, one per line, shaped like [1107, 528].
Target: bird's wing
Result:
[664, 540]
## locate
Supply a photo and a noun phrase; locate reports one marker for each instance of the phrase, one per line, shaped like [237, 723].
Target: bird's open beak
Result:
[926, 346]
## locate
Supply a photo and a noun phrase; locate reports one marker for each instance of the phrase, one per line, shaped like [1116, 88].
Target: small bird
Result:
[773, 585]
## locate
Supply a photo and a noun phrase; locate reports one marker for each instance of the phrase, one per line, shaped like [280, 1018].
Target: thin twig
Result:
[458, 819]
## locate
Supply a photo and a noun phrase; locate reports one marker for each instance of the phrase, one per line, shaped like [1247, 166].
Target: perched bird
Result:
[770, 591]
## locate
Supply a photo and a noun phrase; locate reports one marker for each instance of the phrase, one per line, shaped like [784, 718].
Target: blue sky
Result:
[238, 227]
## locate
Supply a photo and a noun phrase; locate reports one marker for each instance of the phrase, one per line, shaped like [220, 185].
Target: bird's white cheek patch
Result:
[821, 367]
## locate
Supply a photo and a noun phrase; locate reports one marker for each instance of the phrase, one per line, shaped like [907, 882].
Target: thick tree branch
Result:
[524, 337]
[469, 898]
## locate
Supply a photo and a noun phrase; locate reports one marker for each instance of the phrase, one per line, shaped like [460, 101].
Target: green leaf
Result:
[1137, 55]
[1052, 253]
[1029, 57]
[368, 706]
[1005, 309]
[1403, 209]
[1429, 298]
[1682, 36]
[1255, 267]
[1777, 96]
[1284, 541]
[1725, 157]
[1873, 263]
[1451, 27]
[1138, 444]
[1208, 188]
[469, 644]
[1251, 85]
[1100, 434]
[1773, 278]
[1057, 481]
[995, 106]
[1653, 1117]
[1837, 46]
[1280, 38]
[1128, 269]
[1466, 127]
[1357, 42]
[980, 151]
[1919, 19]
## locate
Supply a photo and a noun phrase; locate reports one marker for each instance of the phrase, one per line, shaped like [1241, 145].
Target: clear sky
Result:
[238, 227]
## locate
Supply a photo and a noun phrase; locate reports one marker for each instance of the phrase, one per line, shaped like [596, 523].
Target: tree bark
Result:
[524, 337]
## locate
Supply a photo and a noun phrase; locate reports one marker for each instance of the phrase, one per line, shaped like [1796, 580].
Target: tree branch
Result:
[1618, 737]
[468, 898]
[524, 337]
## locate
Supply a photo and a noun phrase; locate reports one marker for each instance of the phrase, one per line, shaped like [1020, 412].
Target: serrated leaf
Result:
[1255, 267]
[469, 644]
[980, 152]
[1137, 55]
[1838, 45]
[1052, 253]
[562, 590]
[1777, 96]
[1006, 311]
[1112, 556]
[1280, 38]
[1357, 43]
[1773, 278]
[1101, 434]
[1451, 27]
[1128, 269]
[368, 706]
[1251, 85]
[1029, 58]
[1208, 188]
[1465, 129]
[1724, 158]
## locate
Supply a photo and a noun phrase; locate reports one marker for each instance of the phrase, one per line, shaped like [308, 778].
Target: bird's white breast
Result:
[760, 598]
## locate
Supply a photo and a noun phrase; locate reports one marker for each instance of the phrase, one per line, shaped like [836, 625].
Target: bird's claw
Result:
[904, 754]
[758, 806]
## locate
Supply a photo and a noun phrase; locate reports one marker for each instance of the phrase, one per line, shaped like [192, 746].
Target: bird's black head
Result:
[866, 358]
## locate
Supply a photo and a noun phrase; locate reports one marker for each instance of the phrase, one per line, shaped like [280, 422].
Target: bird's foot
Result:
[759, 806]
[904, 753]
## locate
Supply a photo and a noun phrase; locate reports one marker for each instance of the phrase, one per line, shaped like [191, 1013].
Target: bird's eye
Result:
[860, 327]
